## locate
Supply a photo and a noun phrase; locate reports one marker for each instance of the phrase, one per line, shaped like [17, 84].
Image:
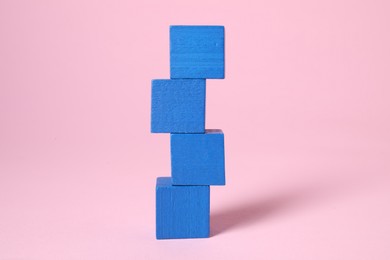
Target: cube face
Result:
[197, 52]
[178, 106]
[181, 211]
[198, 159]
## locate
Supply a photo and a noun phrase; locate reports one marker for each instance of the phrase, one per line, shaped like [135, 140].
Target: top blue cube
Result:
[197, 52]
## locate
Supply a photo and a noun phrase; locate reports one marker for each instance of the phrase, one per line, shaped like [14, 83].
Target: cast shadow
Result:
[259, 208]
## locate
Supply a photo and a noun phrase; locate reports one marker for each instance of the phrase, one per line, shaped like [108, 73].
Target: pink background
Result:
[304, 107]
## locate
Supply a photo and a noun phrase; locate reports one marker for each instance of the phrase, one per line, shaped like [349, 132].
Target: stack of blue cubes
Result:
[197, 53]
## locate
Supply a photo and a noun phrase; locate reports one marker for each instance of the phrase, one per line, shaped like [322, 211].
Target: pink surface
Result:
[305, 110]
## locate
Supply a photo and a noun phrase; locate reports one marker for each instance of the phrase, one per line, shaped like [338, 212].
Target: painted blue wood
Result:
[178, 106]
[197, 52]
[182, 211]
[198, 159]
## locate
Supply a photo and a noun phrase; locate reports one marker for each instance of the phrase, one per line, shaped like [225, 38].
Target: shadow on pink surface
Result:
[258, 208]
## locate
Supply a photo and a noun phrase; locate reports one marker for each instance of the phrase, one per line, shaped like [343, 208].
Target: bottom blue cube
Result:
[182, 211]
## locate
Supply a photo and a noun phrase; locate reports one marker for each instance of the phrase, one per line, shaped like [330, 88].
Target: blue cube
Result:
[198, 159]
[178, 106]
[182, 211]
[197, 52]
